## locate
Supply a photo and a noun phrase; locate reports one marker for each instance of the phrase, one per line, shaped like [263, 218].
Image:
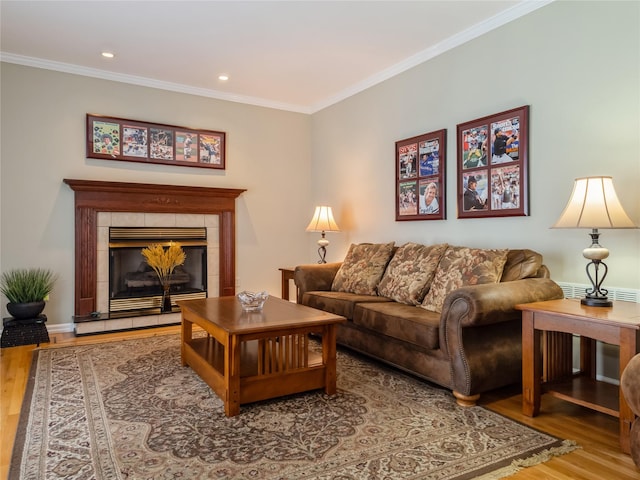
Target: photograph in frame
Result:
[475, 147]
[408, 198]
[476, 191]
[408, 160]
[106, 138]
[134, 141]
[505, 187]
[186, 150]
[493, 151]
[210, 147]
[161, 144]
[429, 196]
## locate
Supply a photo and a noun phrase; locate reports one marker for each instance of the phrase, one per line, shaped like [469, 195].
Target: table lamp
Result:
[323, 221]
[594, 204]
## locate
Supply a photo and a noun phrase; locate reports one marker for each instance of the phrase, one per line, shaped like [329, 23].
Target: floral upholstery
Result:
[462, 266]
[363, 268]
[410, 272]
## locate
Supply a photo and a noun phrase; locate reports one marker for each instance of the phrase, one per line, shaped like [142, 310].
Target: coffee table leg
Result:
[232, 377]
[186, 336]
[329, 359]
[531, 367]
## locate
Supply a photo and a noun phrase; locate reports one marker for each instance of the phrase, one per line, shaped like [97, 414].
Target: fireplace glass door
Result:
[134, 287]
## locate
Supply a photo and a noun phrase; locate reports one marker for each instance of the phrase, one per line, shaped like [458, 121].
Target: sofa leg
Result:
[466, 400]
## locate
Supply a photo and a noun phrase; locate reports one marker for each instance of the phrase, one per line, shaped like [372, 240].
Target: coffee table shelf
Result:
[212, 352]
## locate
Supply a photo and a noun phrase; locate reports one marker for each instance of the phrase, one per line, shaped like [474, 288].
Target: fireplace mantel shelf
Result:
[93, 196]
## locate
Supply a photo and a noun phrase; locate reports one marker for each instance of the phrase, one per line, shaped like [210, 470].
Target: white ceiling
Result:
[293, 55]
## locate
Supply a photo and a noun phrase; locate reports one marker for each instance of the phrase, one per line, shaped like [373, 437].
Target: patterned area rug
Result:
[129, 410]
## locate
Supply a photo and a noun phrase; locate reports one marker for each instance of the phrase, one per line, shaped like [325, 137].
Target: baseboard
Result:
[61, 327]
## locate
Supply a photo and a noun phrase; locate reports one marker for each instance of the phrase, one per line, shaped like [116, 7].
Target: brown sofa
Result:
[472, 345]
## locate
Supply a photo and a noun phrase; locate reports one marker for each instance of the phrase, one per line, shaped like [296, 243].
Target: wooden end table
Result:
[251, 356]
[287, 274]
[616, 325]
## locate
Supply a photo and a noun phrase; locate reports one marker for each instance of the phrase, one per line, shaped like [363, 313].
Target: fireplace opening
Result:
[134, 287]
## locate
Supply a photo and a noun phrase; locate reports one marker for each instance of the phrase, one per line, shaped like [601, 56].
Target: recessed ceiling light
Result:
[108, 55]
[224, 78]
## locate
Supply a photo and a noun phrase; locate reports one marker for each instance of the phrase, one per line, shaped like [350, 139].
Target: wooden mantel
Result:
[92, 196]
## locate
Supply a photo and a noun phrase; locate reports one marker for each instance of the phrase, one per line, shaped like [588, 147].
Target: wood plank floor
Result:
[597, 434]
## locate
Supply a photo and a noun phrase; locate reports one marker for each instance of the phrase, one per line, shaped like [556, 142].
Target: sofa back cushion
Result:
[363, 268]
[410, 272]
[462, 266]
[521, 264]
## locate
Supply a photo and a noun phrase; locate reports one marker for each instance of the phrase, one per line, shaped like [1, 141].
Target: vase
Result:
[24, 311]
[165, 306]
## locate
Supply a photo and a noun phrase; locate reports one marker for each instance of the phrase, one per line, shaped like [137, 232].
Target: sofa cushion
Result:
[521, 264]
[410, 272]
[339, 303]
[462, 266]
[406, 323]
[362, 268]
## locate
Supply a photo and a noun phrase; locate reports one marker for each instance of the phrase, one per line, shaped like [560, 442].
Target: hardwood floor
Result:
[597, 434]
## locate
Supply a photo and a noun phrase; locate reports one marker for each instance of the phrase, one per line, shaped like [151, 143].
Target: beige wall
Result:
[43, 129]
[577, 64]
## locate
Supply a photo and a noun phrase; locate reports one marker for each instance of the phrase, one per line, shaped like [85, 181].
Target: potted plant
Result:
[27, 290]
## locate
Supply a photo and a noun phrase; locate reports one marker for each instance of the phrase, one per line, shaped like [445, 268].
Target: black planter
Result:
[23, 311]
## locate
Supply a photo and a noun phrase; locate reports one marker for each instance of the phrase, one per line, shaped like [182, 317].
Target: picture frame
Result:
[420, 177]
[492, 161]
[113, 138]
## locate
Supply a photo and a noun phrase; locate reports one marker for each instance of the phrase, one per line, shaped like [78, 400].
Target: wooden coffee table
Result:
[251, 356]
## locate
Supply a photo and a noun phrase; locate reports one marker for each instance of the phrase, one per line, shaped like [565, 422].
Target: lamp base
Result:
[596, 296]
[596, 302]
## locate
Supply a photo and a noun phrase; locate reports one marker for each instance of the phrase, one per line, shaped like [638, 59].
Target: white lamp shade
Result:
[594, 204]
[323, 221]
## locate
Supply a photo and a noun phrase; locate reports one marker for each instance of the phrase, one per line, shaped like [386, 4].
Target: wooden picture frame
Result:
[492, 159]
[420, 177]
[112, 138]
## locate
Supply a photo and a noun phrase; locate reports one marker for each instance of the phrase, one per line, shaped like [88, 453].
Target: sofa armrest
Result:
[495, 302]
[314, 277]
[481, 331]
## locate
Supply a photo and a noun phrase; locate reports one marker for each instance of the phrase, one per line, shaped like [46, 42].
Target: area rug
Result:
[130, 410]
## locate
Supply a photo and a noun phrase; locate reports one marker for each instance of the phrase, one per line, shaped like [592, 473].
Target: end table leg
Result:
[531, 366]
[629, 343]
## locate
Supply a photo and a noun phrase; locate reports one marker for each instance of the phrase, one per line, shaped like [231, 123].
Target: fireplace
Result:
[134, 287]
[100, 205]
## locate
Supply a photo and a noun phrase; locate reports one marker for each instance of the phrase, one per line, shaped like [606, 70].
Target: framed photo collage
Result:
[111, 138]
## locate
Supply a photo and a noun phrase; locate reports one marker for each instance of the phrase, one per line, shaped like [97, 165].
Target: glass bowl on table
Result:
[252, 302]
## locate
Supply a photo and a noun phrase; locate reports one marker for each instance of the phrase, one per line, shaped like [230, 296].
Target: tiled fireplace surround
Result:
[133, 219]
[100, 205]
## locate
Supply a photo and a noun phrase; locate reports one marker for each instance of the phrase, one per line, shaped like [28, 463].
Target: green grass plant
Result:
[26, 285]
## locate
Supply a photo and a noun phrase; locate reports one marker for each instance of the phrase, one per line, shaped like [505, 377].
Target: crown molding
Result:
[147, 82]
[523, 8]
[513, 13]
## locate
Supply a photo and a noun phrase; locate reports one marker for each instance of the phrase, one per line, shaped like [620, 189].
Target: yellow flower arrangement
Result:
[164, 261]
